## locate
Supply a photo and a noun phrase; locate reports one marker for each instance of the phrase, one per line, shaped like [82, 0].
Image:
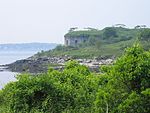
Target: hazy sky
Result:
[49, 20]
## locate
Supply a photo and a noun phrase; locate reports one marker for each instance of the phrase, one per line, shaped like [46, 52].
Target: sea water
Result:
[7, 57]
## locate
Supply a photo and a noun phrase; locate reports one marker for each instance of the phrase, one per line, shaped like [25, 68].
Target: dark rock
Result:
[38, 65]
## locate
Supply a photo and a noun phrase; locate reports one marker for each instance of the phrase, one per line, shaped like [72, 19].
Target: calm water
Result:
[9, 57]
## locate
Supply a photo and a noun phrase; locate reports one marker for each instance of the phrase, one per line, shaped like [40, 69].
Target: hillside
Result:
[102, 48]
[108, 42]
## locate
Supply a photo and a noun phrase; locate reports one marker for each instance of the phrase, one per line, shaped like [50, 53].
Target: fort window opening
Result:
[67, 42]
[76, 41]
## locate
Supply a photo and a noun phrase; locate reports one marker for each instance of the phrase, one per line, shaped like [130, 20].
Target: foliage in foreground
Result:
[123, 87]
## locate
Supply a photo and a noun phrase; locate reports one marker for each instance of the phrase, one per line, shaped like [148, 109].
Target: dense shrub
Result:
[53, 92]
[129, 77]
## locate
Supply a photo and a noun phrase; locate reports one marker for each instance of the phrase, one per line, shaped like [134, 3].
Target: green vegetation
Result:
[123, 87]
[145, 35]
[111, 41]
[95, 33]
[108, 34]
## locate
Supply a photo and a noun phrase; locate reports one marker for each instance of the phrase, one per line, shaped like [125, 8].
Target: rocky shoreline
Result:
[41, 64]
[3, 68]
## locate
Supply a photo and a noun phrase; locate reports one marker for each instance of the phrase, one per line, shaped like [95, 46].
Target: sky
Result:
[24, 21]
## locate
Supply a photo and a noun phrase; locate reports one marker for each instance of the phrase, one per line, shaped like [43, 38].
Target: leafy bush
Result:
[129, 77]
[71, 90]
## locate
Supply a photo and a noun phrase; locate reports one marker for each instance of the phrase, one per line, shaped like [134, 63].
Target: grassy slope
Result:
[106, 49]
[91, 51]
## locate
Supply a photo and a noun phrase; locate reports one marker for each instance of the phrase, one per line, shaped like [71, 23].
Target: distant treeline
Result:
[27, 47]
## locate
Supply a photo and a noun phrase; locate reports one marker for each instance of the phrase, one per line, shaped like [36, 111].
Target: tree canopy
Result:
[145, 34]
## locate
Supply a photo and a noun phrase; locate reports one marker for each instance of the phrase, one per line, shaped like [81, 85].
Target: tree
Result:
[109, 32]
[145, 35]
[133, 69]
[127, 90]
[72, 29]
[140, 26]
[120, 25]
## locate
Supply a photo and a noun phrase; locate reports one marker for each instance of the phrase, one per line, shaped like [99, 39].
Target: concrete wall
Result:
[74, 41]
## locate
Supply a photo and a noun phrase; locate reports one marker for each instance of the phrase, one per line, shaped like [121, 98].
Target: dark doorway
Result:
[76, 41]
[67, 42]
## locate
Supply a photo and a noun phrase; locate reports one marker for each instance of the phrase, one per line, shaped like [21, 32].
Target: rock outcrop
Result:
[41, 64]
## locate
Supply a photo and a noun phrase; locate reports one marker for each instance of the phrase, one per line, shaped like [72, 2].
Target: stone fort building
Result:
[74, 41]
